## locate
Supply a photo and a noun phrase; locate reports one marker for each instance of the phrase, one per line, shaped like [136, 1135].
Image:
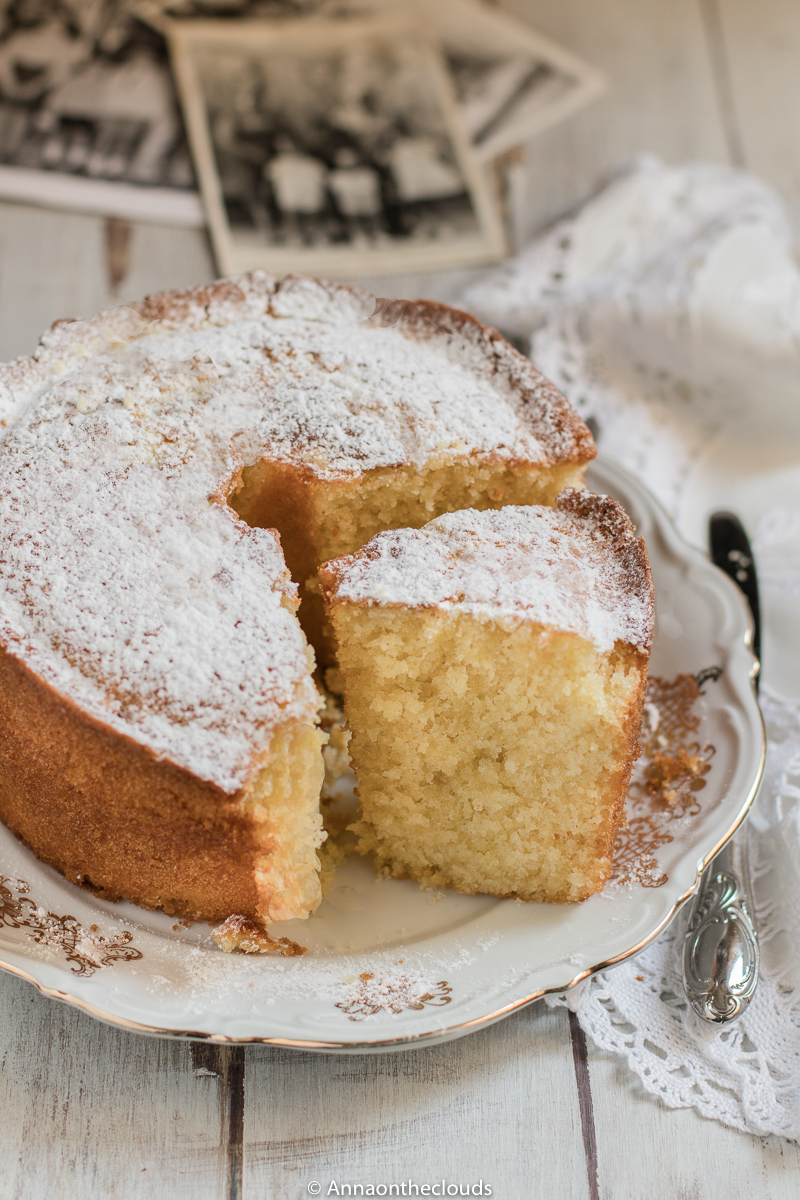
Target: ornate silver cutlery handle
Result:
[720, 951]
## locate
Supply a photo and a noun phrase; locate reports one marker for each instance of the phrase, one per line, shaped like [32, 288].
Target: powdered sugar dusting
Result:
[127, 583]
[577, 567]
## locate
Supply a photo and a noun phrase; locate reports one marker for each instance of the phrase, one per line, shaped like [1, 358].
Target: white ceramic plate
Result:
[387, 964]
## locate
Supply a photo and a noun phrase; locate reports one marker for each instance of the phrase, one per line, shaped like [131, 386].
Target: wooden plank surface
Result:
[98, 1112]
[526, 1106]
[55, 265]
[91, 1111]
[499, 1106]
[645, 1150]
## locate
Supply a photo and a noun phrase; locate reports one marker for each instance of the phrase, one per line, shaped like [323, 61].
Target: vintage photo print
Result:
[89, 119]
[511, 82]
[331, 147]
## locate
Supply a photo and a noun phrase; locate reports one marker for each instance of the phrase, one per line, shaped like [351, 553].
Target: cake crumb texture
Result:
[488, 759]
[238, 932]
[493, 734]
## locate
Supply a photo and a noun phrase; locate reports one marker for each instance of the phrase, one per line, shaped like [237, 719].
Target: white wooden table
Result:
[90, 1111]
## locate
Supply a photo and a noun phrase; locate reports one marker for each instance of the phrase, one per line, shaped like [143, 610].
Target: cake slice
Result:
[494, 667]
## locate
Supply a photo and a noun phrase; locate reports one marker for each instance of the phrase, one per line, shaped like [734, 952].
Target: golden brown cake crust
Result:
[567, 437]
[110, 817]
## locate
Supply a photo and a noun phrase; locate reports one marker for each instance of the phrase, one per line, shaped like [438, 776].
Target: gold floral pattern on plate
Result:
[668, 776]
[379, 993]
[86, 949]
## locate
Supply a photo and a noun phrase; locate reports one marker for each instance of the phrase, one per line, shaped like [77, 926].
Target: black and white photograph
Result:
[511, 81]
[331, 146]
[89, 117]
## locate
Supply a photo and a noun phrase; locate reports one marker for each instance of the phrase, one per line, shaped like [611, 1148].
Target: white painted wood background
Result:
[89, 1111]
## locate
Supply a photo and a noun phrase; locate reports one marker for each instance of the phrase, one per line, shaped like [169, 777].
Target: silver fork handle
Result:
[720, 951]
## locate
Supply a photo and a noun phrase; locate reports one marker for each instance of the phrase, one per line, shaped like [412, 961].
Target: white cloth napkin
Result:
[668, 310]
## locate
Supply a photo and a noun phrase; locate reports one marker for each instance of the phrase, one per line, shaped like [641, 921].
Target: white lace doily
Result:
[668, 310]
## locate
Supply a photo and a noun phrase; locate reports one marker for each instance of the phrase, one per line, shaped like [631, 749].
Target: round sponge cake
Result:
[168, 469]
